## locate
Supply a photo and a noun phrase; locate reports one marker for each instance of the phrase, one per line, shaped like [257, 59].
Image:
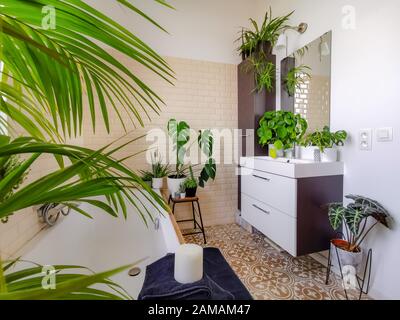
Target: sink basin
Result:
[292, 168]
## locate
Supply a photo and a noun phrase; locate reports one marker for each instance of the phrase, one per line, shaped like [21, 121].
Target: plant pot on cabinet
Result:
[314, 154]
[275, 153]
[191, 192]
[347, 258]
[329, 155]
[157, 183]
[174, 184]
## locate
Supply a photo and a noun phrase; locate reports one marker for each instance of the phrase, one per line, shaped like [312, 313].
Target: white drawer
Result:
[277, 226]
[276, 191]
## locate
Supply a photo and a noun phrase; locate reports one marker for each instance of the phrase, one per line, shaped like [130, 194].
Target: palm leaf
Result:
[72, 282]
[55, 65]
[91, 174]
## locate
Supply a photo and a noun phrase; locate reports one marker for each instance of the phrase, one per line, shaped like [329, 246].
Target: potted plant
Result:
[354, 220]
[159, 171]
[295, 78]
[281, 130]
[257, 44]
[264, 72]
[324, 145]
[146, 176]
[191, 185]
[262, 38]
[182, 191]
[180, 136]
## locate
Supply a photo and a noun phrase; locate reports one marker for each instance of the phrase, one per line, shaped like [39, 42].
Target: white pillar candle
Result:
[188, 263]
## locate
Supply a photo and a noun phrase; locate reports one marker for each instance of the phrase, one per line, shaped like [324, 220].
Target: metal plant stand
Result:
[363, 282]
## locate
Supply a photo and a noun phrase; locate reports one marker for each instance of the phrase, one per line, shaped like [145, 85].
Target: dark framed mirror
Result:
[306, 82]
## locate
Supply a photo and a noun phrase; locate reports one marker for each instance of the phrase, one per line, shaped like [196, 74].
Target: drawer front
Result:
[277, 226]
[276, 191]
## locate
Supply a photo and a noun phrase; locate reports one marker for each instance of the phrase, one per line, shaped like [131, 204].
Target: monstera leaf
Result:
[206, 142]
[209, 172]
[336, 215]
[180, 135]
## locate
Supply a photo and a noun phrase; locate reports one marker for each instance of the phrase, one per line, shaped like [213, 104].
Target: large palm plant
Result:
[49, 73]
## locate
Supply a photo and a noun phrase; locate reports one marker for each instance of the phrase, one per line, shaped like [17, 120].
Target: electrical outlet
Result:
[365, 139]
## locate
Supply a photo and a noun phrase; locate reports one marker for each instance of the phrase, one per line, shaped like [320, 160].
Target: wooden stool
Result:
[194, 220]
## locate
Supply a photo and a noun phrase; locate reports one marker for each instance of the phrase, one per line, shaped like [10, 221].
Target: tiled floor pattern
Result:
[267, 273]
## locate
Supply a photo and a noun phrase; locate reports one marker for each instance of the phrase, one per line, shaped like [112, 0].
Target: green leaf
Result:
[278, 145]
[336, 215]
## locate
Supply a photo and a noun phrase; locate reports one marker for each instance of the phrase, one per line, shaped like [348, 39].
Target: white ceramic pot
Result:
[306, 153]
[174, 184]
[347, 258]
[158, 183]
[183, 195]
[329, 155]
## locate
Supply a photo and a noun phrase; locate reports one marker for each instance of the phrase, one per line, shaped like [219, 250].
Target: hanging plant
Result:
[252, 40]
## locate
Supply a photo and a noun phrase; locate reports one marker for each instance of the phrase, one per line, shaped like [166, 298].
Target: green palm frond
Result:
[91, 174]
[71, 283]
[56, 67]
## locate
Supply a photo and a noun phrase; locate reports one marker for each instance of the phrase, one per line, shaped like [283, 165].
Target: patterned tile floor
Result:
[267, 273]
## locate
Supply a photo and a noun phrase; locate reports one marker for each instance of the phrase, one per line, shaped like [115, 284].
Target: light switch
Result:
[365, 139]
[384, 134]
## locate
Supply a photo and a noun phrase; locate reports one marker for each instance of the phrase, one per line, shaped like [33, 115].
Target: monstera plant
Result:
[179, 133]
[53, 66]
[354, 220]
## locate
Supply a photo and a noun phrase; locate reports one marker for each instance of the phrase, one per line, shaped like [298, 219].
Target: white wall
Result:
[365, 94]
[200, 30]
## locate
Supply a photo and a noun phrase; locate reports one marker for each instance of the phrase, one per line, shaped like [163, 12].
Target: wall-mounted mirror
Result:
[306, 82]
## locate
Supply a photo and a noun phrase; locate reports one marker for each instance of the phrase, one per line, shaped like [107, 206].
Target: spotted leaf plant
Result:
[354, 219]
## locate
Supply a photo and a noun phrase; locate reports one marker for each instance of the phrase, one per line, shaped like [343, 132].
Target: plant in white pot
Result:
[322, 145]
[281, 130]
[354, 219]
[159, 171]
[180, 136]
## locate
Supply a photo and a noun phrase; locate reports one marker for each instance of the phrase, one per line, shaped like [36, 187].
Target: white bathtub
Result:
[105, 243]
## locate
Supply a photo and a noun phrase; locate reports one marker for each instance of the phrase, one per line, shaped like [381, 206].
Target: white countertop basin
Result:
[292, 168]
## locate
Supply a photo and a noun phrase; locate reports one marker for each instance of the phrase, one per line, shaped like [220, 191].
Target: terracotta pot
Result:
[346, 257]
